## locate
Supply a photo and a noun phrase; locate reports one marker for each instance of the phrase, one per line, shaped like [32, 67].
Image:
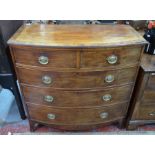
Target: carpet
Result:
[22, 128]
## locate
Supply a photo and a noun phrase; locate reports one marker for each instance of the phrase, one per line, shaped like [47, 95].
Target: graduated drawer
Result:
[76, 80]
[51, 97]
[146, 112]
[76, 116]
[42, 57]
[98, 58]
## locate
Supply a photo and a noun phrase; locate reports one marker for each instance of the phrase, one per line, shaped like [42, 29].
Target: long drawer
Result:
[68, 57]
[76, 116]
[76, 80]
[57, 98]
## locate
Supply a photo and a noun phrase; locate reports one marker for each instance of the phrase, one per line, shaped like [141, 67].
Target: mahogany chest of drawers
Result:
[142, 109]
[76, 77]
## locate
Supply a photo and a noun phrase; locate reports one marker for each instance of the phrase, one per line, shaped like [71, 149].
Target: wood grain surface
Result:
[91, 98]
[78, 65]
[77, 80]
[76, 116]
[76, 35]
[148, 62]
[142, 109]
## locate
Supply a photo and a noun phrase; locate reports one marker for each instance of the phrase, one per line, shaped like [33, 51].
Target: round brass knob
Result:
[46, 79]
[107, 97]
[104, 115]
[51, 116]
[43, 60]
[109, 78]
[48, 98]
[112, 59]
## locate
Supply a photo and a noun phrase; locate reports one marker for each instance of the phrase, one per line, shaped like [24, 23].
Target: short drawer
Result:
[57, 98]
[42, 57]
[99, 58]
[146, 112]
[77, 80]
[76, 116]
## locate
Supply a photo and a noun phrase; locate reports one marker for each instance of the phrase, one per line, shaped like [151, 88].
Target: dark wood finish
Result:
[76, 116]
[77, 80]
[78, 65]
[148, 97]
[74, 128]
[97, 58]
[77, 58]
[59, 58]
[145, 112]
[77, 98]
[142, 109]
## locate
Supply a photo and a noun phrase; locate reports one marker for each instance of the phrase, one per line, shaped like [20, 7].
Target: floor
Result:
[14, 125]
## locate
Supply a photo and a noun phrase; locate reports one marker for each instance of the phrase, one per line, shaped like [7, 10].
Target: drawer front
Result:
[50, 97]
[98, 58]
[148, 97]
[59, 58]
[149, 92]
[76, 116]
[146, 113]
[151, 82]
[76, 79]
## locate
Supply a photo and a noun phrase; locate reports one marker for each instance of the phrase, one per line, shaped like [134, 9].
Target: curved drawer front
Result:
[98, 58]
[77, 80]
[75, 116]
[50, 97]
[42, 57]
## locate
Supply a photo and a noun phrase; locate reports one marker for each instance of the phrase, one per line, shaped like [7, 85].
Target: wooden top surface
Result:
[148, 62]
[76, 35]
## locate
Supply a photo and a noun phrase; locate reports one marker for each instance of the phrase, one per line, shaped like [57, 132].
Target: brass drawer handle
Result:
[109, 78]
[104, 115]
[48, 98]
[152, 113]
[112, 59]
[107, 97]
[43, 60]
[51, 116]
[46, 79]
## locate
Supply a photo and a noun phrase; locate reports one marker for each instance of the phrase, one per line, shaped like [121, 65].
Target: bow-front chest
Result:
[76, 77]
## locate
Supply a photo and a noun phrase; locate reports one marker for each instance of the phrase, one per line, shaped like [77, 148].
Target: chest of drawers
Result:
[76, 77]
[142, 109]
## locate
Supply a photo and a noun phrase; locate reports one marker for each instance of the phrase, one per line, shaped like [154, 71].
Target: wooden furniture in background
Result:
[142, 110]
[76, 77]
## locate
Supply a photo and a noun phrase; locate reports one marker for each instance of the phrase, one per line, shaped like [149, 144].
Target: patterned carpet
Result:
[22, 127]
